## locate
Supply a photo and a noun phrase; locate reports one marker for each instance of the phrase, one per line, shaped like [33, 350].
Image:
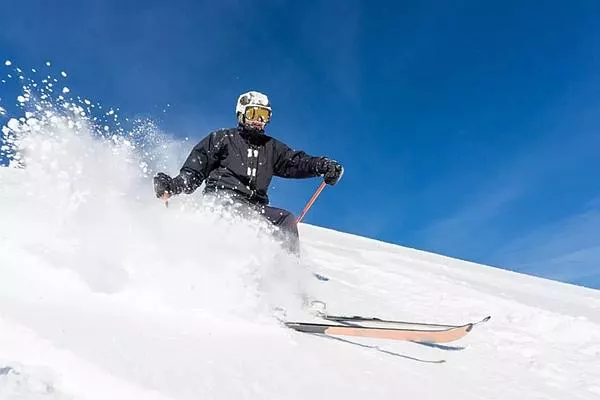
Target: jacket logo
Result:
[252, 153]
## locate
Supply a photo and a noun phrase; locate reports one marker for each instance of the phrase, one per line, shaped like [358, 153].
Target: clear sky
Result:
[466, 128]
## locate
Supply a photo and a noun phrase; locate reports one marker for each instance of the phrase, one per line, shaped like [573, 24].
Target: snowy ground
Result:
[107, 294]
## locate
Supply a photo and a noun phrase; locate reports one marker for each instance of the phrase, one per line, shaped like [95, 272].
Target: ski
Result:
[415, 335]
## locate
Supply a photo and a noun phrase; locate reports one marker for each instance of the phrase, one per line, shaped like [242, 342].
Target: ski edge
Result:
[359, 319]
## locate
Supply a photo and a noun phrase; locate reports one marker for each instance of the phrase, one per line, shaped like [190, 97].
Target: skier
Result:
[238, 164]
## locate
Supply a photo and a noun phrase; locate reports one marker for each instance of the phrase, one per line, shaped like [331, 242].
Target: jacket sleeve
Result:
[294, 163]
[203, 158]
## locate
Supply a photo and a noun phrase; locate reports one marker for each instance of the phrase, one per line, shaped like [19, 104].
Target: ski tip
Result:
[469, 327]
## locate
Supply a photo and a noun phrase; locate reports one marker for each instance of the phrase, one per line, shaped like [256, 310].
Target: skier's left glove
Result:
[331, 170]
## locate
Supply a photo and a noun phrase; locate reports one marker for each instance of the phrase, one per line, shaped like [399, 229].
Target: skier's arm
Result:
[293, 163]
[297, 164]
[201, 161]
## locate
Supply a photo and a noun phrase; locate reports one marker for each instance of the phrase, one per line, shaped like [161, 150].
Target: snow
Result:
[108, 294]
[13, 124]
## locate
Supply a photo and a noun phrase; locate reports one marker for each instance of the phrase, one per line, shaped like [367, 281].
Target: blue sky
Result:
[466, 128]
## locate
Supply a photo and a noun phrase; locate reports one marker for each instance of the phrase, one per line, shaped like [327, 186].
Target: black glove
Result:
[331, 170]
[163, 184]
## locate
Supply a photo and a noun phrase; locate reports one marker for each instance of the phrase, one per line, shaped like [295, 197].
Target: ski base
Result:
[424, 333]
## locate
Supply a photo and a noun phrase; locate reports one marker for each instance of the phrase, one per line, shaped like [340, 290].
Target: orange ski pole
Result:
[311, 201]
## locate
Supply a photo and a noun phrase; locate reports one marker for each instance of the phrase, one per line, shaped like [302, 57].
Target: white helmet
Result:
[251, 99]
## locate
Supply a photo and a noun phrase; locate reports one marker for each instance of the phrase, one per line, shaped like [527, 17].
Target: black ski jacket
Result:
[243, 163]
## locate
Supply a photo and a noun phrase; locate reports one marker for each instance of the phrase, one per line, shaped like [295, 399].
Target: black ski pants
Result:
[284, 220]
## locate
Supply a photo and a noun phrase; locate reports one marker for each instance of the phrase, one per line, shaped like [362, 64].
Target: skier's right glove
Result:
[164, 185]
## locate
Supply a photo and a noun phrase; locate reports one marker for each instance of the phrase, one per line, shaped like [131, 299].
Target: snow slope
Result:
[107, 294]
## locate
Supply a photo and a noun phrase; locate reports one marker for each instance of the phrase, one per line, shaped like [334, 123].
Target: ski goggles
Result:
[254, 113]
